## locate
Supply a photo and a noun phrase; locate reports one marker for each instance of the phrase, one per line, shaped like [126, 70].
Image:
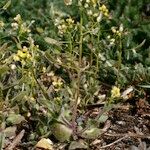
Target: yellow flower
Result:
[32, 98]
[28, 55]
[115, 92]
[16, 58]
[103, 8]
[60, 83]
[118, 33]
[21, 54]
[94, 1]
[57, 98]
[57, 83]
[44, 69]
[106, 14]
[23, 62]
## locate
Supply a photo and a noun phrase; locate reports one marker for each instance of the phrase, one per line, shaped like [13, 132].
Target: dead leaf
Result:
[125, 94]
[10, 131]
[46, 144]
[16, 140]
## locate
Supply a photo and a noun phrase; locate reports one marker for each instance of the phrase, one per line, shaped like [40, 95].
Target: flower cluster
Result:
[64, 25]
[94, 9]
[115, 92]
[51, 79]
[111, 40]
[22, 55]
[29, 98]
[117, 31]
[104, 10]
[27, 55]
[56, 81]
[19, 24]
[87, 3]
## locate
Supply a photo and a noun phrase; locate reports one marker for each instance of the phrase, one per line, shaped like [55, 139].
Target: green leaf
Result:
[52, 41]
[15, 119]
[5, 7]
[91, 133]
[3, 47]
[144, 86]
[61, 132]
[2, 139]
[39, 30]
[103, 118]
[3, 69]
[78, 145]
[20, 96]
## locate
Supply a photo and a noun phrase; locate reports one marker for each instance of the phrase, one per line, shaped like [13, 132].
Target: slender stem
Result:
[119, 58]
[120, 53]
[75, 107]
[91, 54]
[113, 143]
[70, 43]
[41, 88]
[81, 40]
[99, 48]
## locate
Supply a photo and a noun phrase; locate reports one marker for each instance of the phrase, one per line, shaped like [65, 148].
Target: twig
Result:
[122, 138]
[16, 141]
[111, 144]
[129, 135]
